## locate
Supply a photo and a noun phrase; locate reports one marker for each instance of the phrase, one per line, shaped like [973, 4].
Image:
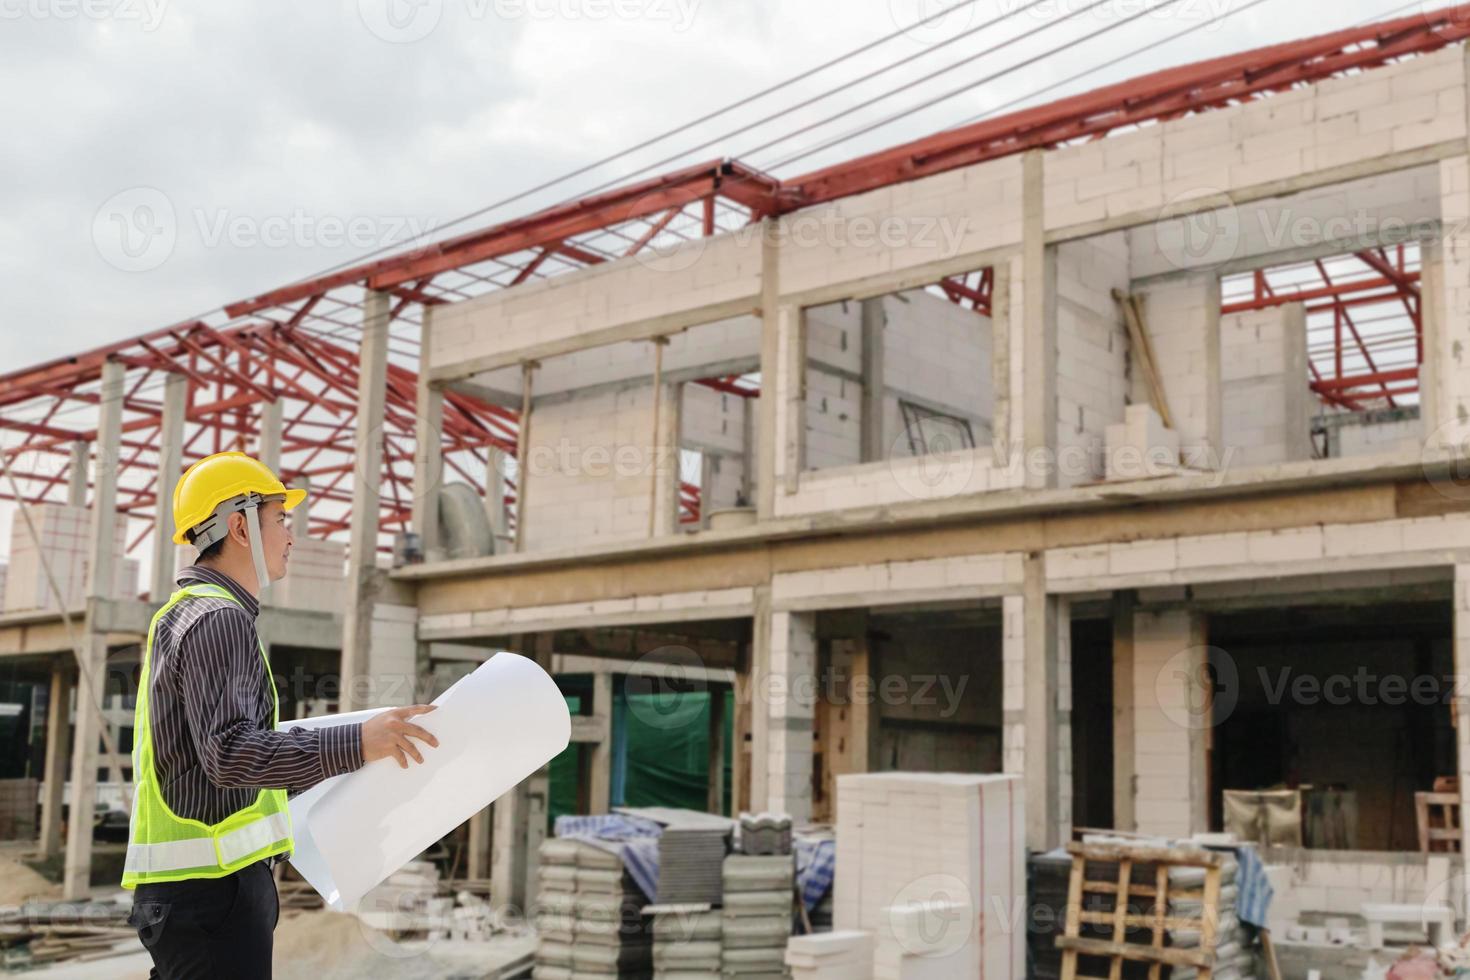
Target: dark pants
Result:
[212, 928]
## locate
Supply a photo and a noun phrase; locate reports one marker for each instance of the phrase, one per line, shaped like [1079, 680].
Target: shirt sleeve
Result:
[231, 733]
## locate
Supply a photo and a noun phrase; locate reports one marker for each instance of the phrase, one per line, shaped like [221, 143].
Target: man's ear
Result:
[239, 529]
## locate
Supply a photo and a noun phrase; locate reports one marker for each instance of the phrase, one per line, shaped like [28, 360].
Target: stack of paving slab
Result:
[831, 956]
[590, 916]
[757, 915]
[933, 866]
[689, 859]
[1233, 957]
[686, 942]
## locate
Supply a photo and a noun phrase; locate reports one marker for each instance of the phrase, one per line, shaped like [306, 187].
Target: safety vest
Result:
[163, 846]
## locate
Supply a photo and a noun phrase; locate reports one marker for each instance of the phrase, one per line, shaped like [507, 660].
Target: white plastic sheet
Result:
[495, 727]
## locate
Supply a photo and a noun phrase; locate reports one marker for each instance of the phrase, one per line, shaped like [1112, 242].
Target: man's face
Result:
[275, 532]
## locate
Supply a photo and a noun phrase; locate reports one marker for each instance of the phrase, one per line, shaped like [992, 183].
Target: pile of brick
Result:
[589, 916]
[757, 915]
[686, 942]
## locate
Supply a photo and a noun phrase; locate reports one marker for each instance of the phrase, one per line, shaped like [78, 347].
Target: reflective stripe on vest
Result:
[163, 846]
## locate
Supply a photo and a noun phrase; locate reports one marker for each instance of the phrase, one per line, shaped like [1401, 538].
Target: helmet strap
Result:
[257, 545]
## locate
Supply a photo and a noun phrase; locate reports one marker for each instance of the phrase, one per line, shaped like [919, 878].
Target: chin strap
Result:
[257, 546]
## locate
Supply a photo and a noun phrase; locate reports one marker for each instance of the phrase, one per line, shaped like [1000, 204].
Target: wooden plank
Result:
[1120, 915]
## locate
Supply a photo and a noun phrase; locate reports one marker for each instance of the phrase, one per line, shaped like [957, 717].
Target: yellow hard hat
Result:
[215, 479]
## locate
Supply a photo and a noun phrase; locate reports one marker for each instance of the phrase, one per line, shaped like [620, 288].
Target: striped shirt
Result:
[209, 704]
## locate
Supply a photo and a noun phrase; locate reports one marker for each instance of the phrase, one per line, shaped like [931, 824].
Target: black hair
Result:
[213, 551]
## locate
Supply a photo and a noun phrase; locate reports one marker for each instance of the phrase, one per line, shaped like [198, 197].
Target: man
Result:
[211, 773]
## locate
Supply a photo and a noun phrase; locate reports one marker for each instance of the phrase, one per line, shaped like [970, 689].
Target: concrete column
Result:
[170, 464]
[874, 441]
[58, 753]
[301, 516]
[790, 392]
[76, 474]
[1000, 361]
[523, 452]
[665, 462]
[786, 708]
[1038, 340]
[1036, 698]
[715, 799]
[766, 444]
[495, 509]
[1124, 744]
[1171, 720]
[428, 454]
[600, 768]
[92, 671]
[367, 474]
[272, 426]
[477, 864]
[1462, 719]
[1450, 335]
[757, 683]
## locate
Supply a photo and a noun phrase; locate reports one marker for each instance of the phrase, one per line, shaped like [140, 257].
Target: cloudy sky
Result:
[163, 158]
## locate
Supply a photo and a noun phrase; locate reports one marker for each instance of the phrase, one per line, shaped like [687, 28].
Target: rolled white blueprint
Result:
[495, 727]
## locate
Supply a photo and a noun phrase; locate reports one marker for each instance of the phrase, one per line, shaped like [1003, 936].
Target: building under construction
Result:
[1115, 444]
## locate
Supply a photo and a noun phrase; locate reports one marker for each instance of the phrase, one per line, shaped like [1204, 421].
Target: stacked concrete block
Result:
[65, 534]
[687, 943]
[759, 893]
[315, 577]
[833, 419]
[1141, 447]
[1182, 316]
[844, 955]
[943, 852]
[589, 916]
[1169, 759]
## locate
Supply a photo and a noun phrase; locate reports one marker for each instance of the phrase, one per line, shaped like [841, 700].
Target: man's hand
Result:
[389, 734]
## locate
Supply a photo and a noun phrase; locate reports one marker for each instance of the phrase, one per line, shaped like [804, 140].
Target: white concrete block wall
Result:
[65, 534]
[1264, 391]
[590, 478]
[315, 577]
[392, 665]
[712, 421]
[1404, 435]
[833, 420]
[1166, 659]
[790, 701]
[1092, 352]
[1419, 103]
[939, 354]
[1182, 317]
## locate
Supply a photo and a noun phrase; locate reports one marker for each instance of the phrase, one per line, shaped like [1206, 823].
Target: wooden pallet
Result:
[1439, 818]
[1157, 920]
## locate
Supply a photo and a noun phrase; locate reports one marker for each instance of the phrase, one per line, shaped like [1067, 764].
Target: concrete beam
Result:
[170, 463]
[428, 454]
[367, 473]
[92, 671]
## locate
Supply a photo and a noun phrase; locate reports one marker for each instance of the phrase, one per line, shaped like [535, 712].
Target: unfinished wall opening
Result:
[626, 439]
[916, 689]
[903, 375]
[1092, 721]
[1353, 325]
[1349, 705]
